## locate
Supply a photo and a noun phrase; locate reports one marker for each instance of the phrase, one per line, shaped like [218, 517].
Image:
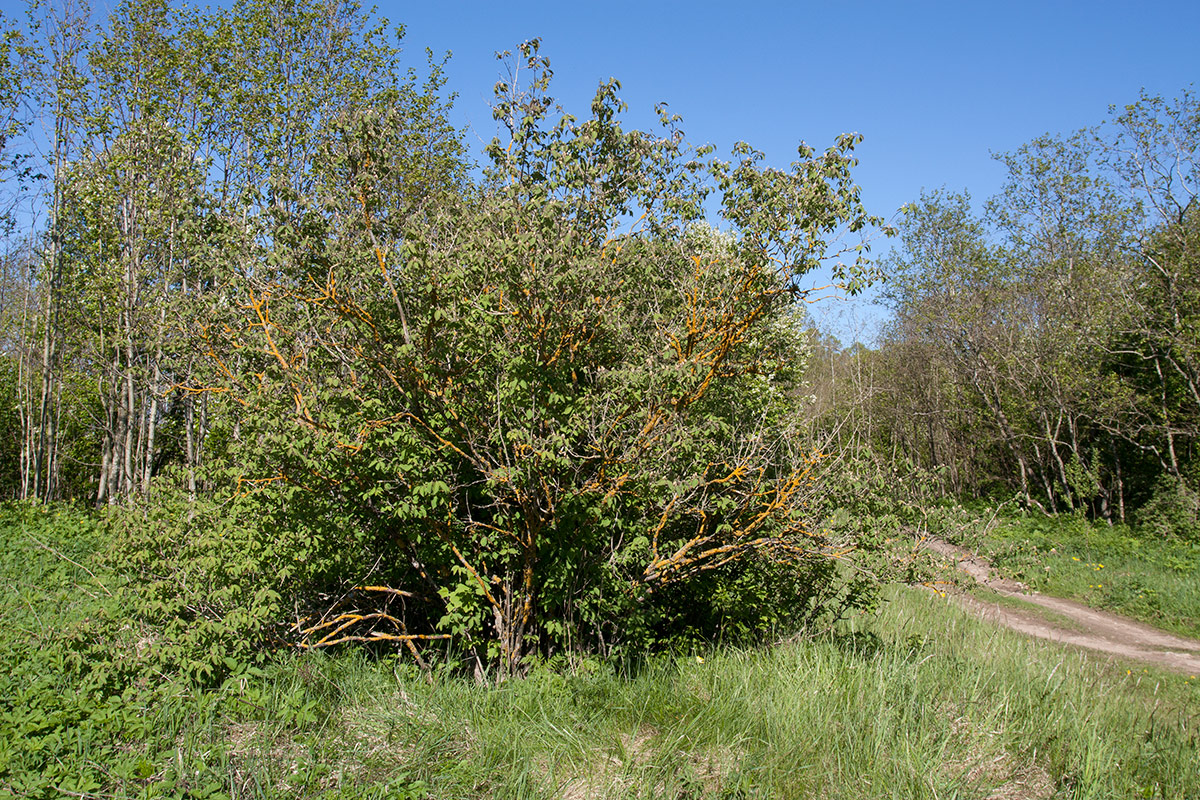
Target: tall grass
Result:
[919, 702]
[916, 701]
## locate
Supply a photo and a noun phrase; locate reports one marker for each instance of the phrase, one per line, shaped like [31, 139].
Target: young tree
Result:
[59, 80]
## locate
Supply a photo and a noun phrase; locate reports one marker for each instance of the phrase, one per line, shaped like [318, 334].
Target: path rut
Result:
[1088, 628]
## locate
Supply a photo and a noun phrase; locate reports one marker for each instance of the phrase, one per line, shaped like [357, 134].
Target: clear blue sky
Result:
[935, 87]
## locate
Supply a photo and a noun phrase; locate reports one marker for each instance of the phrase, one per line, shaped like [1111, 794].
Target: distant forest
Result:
[1049, 348]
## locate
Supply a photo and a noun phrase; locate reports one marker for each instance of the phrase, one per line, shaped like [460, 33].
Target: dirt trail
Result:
[1080, 626]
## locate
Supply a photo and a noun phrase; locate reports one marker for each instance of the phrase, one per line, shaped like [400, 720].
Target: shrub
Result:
[201, 582]
[560, 404]
[1173, 510]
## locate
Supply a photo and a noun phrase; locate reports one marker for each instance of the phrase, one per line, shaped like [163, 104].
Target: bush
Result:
[518, 417]
[1173, 510]
[201, 582]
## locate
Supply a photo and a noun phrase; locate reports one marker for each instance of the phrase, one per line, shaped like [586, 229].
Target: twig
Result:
[70, 560]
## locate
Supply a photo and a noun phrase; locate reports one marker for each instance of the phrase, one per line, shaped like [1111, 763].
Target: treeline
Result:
[1049, 348]
[153, 162]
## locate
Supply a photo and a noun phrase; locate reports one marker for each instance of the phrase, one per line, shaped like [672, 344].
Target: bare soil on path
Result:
[1067, 621]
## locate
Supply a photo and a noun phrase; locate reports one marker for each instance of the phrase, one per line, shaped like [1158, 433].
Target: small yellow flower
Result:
[699, 659]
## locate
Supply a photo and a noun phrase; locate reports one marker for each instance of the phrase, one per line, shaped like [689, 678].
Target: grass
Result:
[917, 701]
[1154, 579]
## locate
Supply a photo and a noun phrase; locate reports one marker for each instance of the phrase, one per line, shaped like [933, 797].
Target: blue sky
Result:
[934, 87]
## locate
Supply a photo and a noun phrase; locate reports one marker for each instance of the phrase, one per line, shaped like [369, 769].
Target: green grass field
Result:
[916, 701]
[919, 702]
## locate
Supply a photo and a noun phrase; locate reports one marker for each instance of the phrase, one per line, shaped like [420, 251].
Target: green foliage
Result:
[526, 417]
[1173, 511]
[1047, 349]
[77, 692]
[546, 414]
[113, 687]
[202, 583]
[918, 701]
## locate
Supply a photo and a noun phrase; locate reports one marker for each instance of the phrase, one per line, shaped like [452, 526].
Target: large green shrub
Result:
[559, 412]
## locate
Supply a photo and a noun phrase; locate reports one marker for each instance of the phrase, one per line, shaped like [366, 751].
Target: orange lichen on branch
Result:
[335, 631]
[257, 483]
[764, 519]
[346, 306]
[388, 590]
[260, 305]
[190, 390]
[363, 625]
[487, 592]
[658, 529]
[502, 531]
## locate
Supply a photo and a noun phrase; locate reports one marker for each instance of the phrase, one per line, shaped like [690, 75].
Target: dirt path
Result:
[1069, 622]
